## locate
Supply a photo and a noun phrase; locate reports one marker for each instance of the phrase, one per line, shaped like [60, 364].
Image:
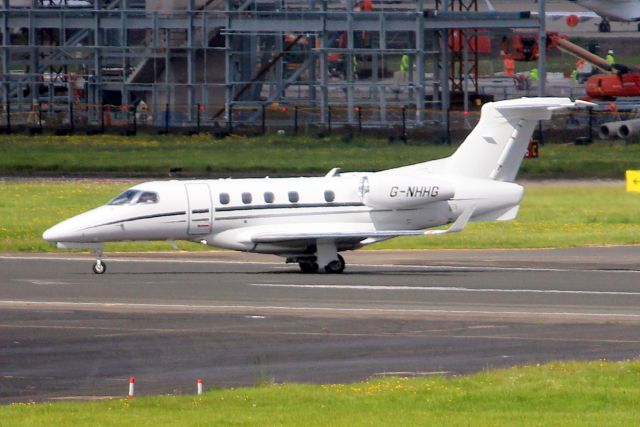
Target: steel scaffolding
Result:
[222, 62]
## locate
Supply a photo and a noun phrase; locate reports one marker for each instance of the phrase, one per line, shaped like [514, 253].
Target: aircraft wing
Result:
[274, 237]
[582, 16]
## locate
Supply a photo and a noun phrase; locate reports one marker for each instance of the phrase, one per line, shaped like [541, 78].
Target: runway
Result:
[241, 319]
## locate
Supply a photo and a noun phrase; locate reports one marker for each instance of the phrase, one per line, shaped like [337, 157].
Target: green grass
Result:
[148, 155]
[202, 155]
[599, 160]
[551, 216]
[557, 394]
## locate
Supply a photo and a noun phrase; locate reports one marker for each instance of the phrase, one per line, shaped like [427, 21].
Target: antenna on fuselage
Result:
[333, 172]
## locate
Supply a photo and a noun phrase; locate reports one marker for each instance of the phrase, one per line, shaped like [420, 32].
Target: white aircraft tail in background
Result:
[613, 10]
[605, 10]
[310, 220]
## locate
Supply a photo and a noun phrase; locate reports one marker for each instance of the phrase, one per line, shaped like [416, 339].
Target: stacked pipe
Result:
[629, 128]
[620, 129]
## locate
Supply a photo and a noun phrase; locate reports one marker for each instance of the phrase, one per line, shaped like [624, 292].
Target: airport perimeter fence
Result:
[398, 123]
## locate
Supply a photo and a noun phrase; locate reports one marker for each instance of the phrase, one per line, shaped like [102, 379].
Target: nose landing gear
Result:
[99, 267]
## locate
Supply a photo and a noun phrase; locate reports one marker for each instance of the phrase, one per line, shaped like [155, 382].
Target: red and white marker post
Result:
[199, 386]
[132, 387]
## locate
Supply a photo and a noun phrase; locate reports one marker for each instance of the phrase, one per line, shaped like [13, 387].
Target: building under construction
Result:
[234, 62]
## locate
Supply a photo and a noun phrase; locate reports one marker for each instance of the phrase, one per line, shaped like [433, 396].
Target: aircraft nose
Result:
[55, 234]
[66, 231]
[81, 228]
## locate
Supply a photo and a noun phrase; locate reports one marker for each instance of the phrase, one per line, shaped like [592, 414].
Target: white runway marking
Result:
[39, 282]
[443, 289]
[309, 309]
[132, 260]
[492, 268]
[279, 265]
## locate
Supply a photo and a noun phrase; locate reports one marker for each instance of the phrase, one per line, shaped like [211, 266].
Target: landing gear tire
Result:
[308, 267]
[99, 267]
[604, 27]
[335, 267]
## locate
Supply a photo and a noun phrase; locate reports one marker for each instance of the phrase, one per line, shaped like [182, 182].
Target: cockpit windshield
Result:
[132, 197]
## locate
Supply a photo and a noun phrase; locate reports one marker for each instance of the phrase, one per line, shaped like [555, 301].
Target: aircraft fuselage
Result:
[227, 213]
[614, 10]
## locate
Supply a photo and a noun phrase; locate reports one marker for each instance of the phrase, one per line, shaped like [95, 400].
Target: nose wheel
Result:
[99, 267]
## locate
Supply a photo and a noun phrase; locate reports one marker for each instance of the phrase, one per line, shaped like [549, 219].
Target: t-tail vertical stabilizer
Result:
[496, 147]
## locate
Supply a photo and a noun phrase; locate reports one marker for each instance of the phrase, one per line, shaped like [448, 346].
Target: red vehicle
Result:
[524, 46]
[615, 81]
[612, 86]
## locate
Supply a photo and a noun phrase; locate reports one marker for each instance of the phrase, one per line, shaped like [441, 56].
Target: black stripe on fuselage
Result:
[138, 218]
[288, 206]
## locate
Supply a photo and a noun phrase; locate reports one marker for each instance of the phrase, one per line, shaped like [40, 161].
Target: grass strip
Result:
[558, 215]
[556, 394]
[201, 155]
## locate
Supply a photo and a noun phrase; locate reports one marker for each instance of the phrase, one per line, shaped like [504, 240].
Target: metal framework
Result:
[229, 61]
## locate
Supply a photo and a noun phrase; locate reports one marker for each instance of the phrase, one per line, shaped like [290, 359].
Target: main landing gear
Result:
[333, 267]
[604, 26]
[308, 267]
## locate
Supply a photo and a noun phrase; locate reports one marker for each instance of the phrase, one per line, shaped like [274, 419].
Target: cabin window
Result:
[125, 198]
[224, 198]
[293, 196]
[329, 196]
[246, 198]
[148, 197]
[269, 197]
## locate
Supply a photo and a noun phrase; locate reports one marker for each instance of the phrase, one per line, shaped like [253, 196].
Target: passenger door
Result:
[200, 208]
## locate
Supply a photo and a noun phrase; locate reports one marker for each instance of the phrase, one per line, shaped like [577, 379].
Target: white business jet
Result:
[73, 4]
[310, 220]
[607, 10]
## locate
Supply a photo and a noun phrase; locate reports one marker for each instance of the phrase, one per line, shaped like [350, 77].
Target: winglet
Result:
[584, 104]
[459, 223]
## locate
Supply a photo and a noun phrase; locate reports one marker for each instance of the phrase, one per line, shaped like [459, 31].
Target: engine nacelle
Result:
[404, 192]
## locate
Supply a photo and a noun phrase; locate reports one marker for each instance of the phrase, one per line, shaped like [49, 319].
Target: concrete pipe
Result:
[609, 130]
[629, 128]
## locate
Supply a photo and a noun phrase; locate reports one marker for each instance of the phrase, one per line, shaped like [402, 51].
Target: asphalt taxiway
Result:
[239, 319]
